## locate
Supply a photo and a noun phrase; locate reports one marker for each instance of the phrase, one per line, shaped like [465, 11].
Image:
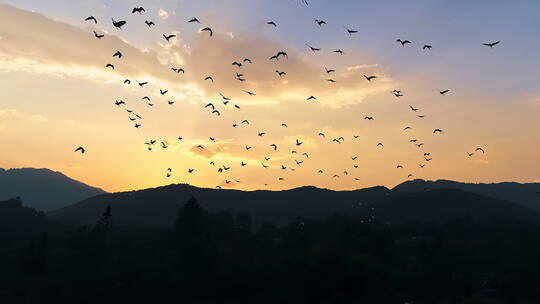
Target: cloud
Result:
[163, 14]
[35, 44]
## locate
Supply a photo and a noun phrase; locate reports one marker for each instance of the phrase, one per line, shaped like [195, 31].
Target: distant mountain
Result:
[43, 189]
[159, 206]
[521, 194]
[444, 204]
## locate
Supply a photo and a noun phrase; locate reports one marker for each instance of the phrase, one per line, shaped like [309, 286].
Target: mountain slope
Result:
[43, 189]
[521, 194]
[443, 204]
[159, 206]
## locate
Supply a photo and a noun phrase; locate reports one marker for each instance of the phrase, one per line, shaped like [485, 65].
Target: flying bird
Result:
[141, 84]
[194, 20]
[168, 37]
[380, 145]
[91, 18]
[350, 32]
[98, 36]
[444, 92]
[311, 98]
[207, 29]
[109, 66]
[117, 54]
[271, 23]
[80, 149]
[209, 78]
[139, 10]
[369, 78]
[403, 42]
[437, 131]
[149, 23]
[314, 49]
[298, 143]
[427, 46]
[491, 44]
[480, 149]
[118, 24]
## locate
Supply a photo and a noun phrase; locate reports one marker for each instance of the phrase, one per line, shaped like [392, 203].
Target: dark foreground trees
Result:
[221, 257]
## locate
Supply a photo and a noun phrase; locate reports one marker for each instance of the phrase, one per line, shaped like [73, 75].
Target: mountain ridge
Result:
[42, 188]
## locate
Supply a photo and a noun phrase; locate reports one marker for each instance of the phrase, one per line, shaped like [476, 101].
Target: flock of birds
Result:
[214, 110]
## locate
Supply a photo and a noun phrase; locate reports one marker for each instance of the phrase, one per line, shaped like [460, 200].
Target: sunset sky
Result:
[56, 93]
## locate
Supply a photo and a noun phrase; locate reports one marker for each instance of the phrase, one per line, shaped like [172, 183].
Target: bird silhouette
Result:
[98, 36]
[403, 42]
[311, 98]
[109, 65]
[271, 23]
[142, 84]
[209, 78]
[168, 37]
[117, 54]
[149, 23]
[274, 146]
[91, 18]
[369, 78]
[194, 20]
[280, 73]
[491, 44]
[209, 30]
[443, 92]
[350, 32]
[314, 49]
[139, 10]
[437, 131]
[480, 149]
[339, 52]
[380, 145]
[118, 24]
[427, 46]
[80, 149]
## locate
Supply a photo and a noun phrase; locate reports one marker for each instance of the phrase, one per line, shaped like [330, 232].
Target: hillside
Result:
[43, 189]
[444, 204]
[521, 194]
[159, 206]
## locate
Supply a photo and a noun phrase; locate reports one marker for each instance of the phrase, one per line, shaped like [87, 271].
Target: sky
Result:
[57, 94]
